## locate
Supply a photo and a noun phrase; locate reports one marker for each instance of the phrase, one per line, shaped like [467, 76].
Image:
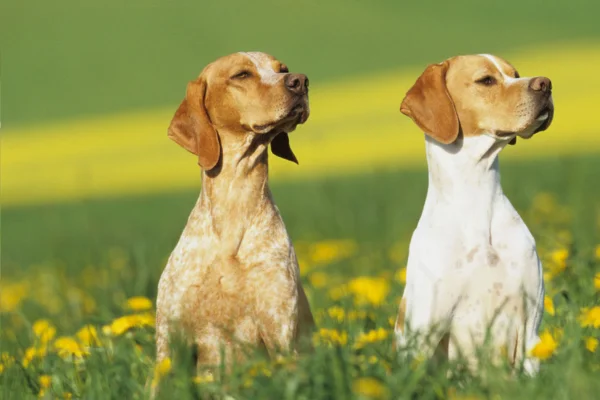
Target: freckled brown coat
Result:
[232, 280]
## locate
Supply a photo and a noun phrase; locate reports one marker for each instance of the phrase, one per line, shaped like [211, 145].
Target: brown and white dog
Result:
[232, 280]
[473, 268]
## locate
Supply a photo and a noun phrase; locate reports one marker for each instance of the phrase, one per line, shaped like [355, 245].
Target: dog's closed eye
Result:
[486, 81]
[242, 75]
[283, 69]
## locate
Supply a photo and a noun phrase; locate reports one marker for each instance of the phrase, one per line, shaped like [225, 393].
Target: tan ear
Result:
[191, 127]
[280, 146]
[430, 106]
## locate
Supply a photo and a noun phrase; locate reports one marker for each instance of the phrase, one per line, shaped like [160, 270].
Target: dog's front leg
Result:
[531, 365]
[276, 314]
[421, 325]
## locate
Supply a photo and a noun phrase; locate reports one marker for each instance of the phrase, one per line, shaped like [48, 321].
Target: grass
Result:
[77, 264]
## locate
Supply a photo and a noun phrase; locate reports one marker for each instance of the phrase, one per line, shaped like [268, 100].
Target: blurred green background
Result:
[69, 66]
[66, 59]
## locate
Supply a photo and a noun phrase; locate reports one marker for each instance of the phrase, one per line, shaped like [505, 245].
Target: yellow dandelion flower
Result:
[6, 360]
[557, 264]
[392, 322]
[12, 295]
[32, 353]
[88, 336]
[259, 368]
[330, 337]
[401, 275]
[328, 251]
[338, 292]
[590, 317]
[370, 388]
[369, 290]
[43, 330]
[138, 303]
[161, 370]
[336, 313]
[164, 367]
[127, 322]
[304, 266]
[597, 281]
[29, 355]
[45, 382]
[549, 305]
[122, 325]
[546, 346]
[591, 344]
[107, 330]
[374, 335]
[356, 315]
[318, 279]
[560, 256]
[371, 359]
[597, 252]
[66, 347]
[205, 378]
[283, 360]
[146, 319]
[68, 396]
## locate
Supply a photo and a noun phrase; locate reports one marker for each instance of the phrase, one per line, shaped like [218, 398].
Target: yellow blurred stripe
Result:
[355, 126]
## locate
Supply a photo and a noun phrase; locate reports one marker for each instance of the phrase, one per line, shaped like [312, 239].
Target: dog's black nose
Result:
[297, 83]
[540, 84]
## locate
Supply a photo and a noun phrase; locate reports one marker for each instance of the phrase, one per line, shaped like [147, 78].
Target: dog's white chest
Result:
[471, 253]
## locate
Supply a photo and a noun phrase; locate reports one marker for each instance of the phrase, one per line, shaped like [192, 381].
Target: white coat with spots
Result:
[473, 268]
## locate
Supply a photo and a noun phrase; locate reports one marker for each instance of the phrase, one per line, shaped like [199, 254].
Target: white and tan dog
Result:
[473, 268]
[232, 280]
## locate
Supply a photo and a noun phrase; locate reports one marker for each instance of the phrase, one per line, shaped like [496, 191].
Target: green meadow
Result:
[79, 274]
[72, 58]
[77, 264]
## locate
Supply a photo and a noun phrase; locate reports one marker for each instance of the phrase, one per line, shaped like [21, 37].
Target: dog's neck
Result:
[237, 190]
[464, 180]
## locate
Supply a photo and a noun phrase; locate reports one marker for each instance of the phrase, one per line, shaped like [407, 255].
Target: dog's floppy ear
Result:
[430, 106]
[280, 146]
[191, 127]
